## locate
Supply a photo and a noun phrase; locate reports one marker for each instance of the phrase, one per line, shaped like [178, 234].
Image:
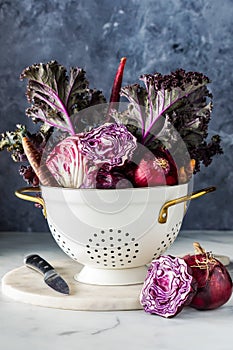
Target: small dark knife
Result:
[51, 277]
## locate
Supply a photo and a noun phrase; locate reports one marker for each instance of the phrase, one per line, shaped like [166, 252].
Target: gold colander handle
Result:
[20, 193]
[163, 214]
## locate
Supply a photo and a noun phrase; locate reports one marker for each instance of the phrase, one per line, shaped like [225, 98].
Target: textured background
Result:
[159, 35]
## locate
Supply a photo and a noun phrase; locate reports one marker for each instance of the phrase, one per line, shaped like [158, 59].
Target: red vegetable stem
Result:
[115, 94]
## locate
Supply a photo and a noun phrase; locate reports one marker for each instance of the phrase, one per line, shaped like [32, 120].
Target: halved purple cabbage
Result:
[168, 287]
[109, 143]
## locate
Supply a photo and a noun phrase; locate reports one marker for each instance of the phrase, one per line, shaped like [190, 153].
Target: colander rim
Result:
[113, 189]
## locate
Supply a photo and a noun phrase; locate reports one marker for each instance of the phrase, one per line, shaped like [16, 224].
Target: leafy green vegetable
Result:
[178, 104]
[11, 141]
[55, 96]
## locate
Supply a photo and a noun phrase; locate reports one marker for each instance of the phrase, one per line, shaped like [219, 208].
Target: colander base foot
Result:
[111, 277]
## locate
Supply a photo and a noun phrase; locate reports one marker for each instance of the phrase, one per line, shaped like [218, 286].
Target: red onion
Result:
[156, 170]
[168, 286]
[214, 282]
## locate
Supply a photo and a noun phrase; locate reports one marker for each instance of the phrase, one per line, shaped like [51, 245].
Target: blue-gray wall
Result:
[155, 35]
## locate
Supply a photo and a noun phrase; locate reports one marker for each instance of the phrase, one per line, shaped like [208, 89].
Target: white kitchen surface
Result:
[24, 326]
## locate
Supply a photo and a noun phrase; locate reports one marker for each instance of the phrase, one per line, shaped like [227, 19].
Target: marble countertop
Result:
[25, 326]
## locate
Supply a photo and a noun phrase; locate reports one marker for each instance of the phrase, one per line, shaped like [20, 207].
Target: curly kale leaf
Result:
[12, 142]
[55, 96]
[162, 95]
[169, 107]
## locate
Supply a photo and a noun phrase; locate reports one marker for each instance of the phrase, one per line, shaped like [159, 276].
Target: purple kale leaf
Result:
[55, 96]
[169, 107]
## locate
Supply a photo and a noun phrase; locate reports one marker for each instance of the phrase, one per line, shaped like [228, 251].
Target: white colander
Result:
[114, 233]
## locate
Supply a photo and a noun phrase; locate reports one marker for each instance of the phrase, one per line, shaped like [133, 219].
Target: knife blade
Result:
[51, 277]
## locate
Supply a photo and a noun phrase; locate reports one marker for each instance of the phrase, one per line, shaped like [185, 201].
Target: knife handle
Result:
[36, 262]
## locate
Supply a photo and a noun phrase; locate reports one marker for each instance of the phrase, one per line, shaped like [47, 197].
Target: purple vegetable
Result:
[214, 281]
[169, 107]
[55, 95]
[109, 143]
[67, 164]
[111, 178]
[29, 175]
[161, 94]
[168, 287]
[75, 161]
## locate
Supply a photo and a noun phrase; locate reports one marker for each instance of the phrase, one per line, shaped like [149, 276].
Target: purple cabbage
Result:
[109, 143]
[168, 287]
